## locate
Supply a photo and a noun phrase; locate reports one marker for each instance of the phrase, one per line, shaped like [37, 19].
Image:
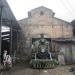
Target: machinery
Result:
[41, 57]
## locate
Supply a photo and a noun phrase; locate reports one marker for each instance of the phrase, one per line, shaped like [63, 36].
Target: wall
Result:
[42, 20]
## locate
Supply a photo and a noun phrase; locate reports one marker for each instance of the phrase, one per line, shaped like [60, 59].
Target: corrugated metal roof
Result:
[64, 39]
[6, 11]
[7, 14]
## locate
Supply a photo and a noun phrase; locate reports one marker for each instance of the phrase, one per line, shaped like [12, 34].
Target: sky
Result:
[64, 9]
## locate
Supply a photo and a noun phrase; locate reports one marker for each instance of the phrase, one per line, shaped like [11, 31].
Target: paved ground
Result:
[23, 70]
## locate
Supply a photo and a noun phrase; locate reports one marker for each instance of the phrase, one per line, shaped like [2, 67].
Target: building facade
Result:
[58, 32]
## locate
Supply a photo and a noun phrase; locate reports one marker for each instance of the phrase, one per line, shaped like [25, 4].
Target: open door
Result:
[5, 40]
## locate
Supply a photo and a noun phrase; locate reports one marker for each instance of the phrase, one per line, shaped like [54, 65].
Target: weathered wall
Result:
[42, 20]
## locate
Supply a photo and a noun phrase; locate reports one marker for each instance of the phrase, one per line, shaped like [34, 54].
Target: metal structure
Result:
[9, 29]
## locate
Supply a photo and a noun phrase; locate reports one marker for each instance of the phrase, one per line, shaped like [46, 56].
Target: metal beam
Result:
[1, 8]
[4, 33]
[5, 37]
[11, 38]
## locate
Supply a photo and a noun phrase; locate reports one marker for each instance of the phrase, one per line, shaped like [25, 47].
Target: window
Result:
[41, 13]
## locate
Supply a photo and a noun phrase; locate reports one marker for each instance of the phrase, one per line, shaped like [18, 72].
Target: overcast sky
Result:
[64, 9]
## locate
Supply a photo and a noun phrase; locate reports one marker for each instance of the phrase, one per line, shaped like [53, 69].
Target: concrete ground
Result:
[23, 70]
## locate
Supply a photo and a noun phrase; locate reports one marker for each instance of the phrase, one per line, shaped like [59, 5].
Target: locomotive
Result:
[41, 56]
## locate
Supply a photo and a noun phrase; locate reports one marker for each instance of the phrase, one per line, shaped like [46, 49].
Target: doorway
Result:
[5, 40]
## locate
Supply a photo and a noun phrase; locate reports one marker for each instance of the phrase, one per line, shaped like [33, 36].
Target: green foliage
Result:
[43, 63]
